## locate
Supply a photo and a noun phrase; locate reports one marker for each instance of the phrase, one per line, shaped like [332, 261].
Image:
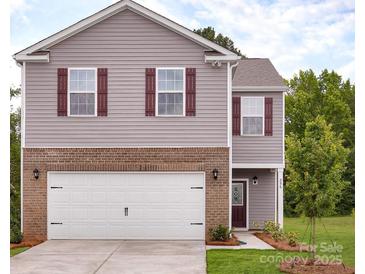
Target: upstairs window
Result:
[252, 116]
[82, 91]
[170, 91]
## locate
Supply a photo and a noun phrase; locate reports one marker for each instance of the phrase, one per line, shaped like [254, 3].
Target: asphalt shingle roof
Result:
[256, 72]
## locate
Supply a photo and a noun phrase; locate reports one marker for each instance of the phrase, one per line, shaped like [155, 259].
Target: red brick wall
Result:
[121, 159]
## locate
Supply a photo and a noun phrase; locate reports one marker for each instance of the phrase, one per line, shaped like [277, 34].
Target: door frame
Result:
[237, 180]
[49, 172]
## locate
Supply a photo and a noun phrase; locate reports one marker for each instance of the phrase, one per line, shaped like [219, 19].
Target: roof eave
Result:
[20, 58]
[221, 58]
[260, 88]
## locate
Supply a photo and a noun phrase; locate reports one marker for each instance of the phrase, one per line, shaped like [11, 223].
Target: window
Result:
[82, 92]
[170, 91]
[252, 111]
[237, 194]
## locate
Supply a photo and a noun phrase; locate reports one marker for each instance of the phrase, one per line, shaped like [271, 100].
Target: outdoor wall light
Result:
[254, 180]
[215, 173]
[36, 173]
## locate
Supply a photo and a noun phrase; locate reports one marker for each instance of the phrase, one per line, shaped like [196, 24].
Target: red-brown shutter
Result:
[268, 116]
[62, 92]
[150, 91]
[102, 92]
[236, 115]
[190, 86]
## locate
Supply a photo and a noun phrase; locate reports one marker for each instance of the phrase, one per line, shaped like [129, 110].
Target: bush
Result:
[278, 235]
[292, 238]
[15, 235]
[219, 233]
[271, 227]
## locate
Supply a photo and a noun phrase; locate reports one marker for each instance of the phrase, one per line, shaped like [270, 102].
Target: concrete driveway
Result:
[98, 256]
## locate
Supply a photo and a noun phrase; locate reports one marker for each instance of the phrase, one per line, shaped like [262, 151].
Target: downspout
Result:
[229, 134]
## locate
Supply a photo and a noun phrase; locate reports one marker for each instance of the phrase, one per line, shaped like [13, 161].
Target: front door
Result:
[239, 204]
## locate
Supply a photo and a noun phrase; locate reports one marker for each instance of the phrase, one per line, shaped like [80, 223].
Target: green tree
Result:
[327, 95]
[219, 39]
[315, 166]
[15, 147]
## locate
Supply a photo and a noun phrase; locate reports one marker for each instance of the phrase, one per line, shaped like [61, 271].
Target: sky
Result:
[294, 34]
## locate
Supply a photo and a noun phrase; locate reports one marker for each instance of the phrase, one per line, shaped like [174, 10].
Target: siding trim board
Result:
[259, 88]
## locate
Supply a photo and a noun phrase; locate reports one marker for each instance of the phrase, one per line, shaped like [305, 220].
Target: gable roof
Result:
[45, 44]
[257, 74]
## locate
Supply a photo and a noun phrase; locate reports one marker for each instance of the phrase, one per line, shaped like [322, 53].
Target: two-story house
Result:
[135, 127]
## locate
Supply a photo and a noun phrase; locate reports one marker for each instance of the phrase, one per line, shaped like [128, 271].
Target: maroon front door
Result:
[239, 204]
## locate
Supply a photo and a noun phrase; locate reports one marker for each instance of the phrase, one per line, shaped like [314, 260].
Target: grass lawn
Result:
[223, 261]
[341, 230]
[17, 250]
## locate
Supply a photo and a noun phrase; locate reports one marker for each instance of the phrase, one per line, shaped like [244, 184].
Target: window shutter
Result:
[102, 92]
[62, 92]
[150, 91]
[236, 115]
[268, 116]
[190, 89]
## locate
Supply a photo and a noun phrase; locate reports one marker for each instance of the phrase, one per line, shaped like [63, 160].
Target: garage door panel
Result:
[160, 205]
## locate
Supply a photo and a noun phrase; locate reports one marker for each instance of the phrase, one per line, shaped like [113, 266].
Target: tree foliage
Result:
[219, 39]
[315, 166]
[15, 148]
[334, 99]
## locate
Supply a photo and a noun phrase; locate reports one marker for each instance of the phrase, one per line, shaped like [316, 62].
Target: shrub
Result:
[219, 233]
[15, 235]
[292, 238]
[278, 235]
[271, 227]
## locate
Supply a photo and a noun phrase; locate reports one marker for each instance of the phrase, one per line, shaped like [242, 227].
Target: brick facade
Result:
[121, 159]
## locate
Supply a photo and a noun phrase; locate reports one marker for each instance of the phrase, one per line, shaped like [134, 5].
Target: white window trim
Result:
[69, 93]
[157, 91]
[263, 116]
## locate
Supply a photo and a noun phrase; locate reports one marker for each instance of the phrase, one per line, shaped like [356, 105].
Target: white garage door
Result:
[126, 205]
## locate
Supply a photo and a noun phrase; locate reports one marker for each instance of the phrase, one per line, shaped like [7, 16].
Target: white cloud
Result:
[292, 33]
[19, 6]
[347, 71]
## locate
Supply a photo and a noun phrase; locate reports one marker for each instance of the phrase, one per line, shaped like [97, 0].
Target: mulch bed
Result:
[26, 244]
[280, 245]
[300, 265]
[231, 242]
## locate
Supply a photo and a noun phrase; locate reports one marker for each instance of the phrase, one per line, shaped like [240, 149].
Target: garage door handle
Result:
[56, 223]
[196, 187]
[196, 223]
[54, 187]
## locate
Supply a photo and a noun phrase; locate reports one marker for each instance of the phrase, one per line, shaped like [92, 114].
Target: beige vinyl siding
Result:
[261, 149]
[261, 196]
[126, 44]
